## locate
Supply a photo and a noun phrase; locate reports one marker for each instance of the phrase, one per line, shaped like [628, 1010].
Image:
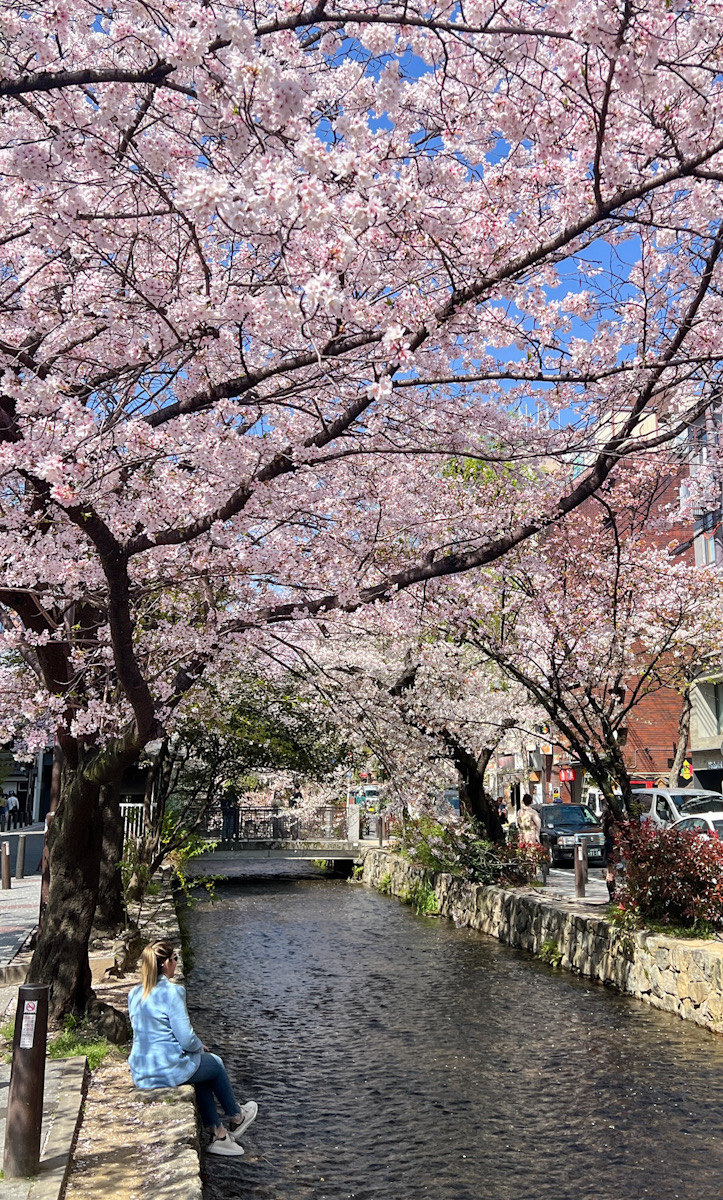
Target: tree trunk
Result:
[56, 779]
[74, 844]
[683, 733]
[473, 796]
[621, 776]
[110, 913]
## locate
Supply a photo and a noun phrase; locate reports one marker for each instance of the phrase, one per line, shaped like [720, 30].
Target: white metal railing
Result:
[133, 820]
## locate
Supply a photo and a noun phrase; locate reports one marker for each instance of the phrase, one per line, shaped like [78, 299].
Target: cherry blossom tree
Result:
[266, 274]
[430, 712]
[593, 620]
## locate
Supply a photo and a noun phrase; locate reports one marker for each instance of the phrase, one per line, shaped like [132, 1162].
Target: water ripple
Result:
[398, 1058]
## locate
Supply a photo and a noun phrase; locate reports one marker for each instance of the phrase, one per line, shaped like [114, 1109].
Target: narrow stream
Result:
[395, 1057]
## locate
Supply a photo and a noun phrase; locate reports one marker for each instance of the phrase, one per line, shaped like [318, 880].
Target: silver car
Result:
[710, 824]
[663, 806]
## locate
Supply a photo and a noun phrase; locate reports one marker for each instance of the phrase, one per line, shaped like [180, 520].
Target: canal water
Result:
[396, 1057]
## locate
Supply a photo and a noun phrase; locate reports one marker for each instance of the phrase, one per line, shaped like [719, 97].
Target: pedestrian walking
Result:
[529, 823]
[12, 805]
[166, 1052]
[3, 812]
[229, 813]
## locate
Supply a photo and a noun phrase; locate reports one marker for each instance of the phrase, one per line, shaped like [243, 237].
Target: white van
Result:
[665, 805]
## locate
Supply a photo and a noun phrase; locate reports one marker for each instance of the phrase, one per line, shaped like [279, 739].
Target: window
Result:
[704, 540]
[662, 809]
[568, 814]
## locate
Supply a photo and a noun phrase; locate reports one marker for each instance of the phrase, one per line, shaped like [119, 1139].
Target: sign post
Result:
[27, 1082]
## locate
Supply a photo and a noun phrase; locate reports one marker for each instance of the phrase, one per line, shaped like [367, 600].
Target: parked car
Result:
[663, 806]
[710, 824]
[563, 825]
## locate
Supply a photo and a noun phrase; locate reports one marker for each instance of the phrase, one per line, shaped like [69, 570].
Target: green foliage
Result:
[671, 877]
[385, 885]
[78, 1039]
[321, 864]
[629, 921]
[551, 953]
[256, 726]
[420, 895]
[233, 731]
[460, 849]
[6, 1034]
[180, 858]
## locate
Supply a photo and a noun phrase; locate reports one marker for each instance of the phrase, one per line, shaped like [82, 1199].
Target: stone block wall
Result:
[682, 977]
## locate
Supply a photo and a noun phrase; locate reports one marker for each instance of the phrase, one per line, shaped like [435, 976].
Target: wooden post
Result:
[20, 857]
[6, 881]
[27, 1082]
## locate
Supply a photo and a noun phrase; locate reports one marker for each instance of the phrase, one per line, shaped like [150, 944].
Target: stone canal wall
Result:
[683, 977]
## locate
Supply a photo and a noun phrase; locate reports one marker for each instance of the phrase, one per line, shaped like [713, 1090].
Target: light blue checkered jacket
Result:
[165, 1051]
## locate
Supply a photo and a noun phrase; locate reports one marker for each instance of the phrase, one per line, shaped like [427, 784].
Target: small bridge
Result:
[333, 832]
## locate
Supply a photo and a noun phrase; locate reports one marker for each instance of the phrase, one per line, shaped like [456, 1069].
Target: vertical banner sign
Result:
[27, 1031]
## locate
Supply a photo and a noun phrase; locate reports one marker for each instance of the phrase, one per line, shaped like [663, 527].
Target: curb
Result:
[63, 1126]
[58, 1150]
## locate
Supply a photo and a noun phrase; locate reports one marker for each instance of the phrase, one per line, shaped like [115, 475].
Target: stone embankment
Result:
[679, 976]
[137, 1145]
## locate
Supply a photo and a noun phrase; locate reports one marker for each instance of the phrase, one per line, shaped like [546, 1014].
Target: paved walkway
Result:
[33, 835]
[561, 886]
[18, 915]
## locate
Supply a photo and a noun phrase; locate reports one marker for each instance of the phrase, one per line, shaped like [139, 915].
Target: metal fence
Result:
[329, 821]
[133, 821]
[273, 824]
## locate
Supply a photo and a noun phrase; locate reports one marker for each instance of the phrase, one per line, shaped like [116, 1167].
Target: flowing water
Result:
[395, 1057]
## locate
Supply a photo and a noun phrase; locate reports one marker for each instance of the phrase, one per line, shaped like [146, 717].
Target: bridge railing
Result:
[274, 824]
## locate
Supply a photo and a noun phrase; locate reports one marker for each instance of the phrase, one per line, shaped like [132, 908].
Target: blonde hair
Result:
[152, 959]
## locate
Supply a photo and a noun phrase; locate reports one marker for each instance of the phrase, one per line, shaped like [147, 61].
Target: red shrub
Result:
[671, 876]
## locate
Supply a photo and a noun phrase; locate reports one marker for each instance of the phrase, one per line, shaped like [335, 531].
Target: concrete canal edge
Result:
[679, 976]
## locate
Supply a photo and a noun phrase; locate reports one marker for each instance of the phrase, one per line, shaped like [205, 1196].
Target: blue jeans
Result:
[210, 1080]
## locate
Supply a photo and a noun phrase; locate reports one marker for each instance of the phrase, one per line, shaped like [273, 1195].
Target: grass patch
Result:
[385, 885]
[631, 922]
[79, 1039]
[7, 1032]
[421, 897]
[551, 953]
[701, 929]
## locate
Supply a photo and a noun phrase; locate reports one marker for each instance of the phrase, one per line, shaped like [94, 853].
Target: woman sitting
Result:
[166, 1052]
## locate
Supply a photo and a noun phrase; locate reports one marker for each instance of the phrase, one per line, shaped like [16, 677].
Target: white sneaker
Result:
[225, 1145]
[248, 1114]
